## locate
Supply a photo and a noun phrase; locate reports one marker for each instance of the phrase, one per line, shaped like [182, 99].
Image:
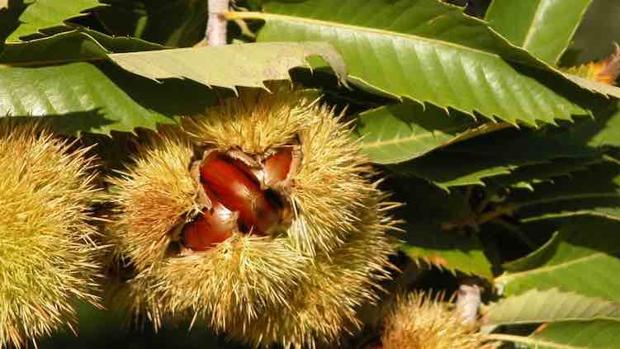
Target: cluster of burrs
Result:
[259, 218]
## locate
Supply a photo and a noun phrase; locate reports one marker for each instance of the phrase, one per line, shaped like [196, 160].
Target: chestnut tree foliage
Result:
[507, 161]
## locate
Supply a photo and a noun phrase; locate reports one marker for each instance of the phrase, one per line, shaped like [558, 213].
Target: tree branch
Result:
[468, 302]
[216, 22]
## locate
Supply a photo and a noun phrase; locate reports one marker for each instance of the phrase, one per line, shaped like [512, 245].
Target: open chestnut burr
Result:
[259, 218]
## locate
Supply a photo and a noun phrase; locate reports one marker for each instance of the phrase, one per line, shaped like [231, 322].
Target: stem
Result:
[611, 158]
[526, 340]
[484, 203]
[475, 220]
[216, 23]
[496, 213]
[234, 15]
[468, 302]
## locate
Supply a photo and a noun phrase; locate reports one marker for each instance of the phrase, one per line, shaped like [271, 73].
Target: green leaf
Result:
[82, 98]
[595, 191]
[174, 23]
[446, 168]
[425, 239]
[231, 65]
[543, 27]
[46, 14]
[594, 86]
[401, 132]
[72, 88]
[530, 175]
[423, 50]
[598, 334]
[535, 306]
[604, 130]
[447, 250]
[581, 258]
[603, 206]
[44, 91]
[76, 45]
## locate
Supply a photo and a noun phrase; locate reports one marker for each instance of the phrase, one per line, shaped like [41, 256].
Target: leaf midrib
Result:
[562, 319]
[509, 277]
[530, 340]
[265, 16]
[414, 138]
[582, 315]
[569, 213]
[567, 197]
[530, 30]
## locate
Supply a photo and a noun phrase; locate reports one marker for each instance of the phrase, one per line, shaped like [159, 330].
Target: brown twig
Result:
[476, 219]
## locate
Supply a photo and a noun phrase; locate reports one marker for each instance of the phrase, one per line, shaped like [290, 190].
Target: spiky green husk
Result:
[421, 322]
[337, 284]
[605, 71]
[299, 289]
[262, 291]
[154, 195]
[46, 252]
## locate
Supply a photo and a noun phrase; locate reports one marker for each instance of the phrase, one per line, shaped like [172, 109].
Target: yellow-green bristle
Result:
[299, 288]
[46, 247]
[419, 321]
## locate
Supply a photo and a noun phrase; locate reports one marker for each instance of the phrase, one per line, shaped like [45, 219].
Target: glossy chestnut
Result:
[277, 167]
[212, 227]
